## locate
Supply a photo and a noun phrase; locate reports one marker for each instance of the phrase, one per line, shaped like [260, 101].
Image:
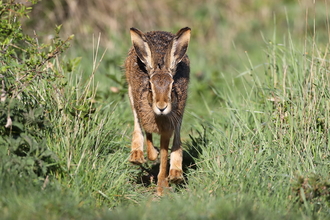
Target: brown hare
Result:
[157, 72]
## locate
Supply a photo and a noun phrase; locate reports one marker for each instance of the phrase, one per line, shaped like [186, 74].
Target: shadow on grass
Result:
[192, 149]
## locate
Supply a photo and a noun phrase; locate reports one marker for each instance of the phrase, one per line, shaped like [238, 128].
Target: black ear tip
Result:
[183, 30]
[186, 29]
[133, 29]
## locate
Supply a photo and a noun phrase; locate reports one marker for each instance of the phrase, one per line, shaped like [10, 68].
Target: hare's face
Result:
[161, 88]
[160, 64]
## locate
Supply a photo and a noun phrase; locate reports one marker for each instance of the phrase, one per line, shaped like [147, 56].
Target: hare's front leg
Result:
[137, 143]
[175, 175]
[162, 182]
[137, 140]
[151, 151]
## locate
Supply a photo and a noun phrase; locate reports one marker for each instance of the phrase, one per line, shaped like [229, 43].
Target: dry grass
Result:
[213, 21]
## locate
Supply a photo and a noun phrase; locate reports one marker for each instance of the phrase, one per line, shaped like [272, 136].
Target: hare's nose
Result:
[162, 109]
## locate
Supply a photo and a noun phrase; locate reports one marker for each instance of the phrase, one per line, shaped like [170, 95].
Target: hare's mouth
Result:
[162, 109]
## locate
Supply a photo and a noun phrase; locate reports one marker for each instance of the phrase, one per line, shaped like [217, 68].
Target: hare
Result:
[157, 72]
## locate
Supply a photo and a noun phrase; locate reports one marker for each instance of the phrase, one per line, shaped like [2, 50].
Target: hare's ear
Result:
[178, 47]
[141, 47]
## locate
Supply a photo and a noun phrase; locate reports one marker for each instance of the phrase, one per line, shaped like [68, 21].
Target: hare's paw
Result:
[137, 157]
[175, 176]
[152, 153]
[162, 186]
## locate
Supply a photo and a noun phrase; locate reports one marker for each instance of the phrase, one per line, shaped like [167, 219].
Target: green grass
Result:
[256, 125]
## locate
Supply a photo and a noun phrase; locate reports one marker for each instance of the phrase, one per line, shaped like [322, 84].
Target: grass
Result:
[255, 127]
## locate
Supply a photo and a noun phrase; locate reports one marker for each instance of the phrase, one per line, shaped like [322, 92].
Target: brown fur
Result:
[157, 72]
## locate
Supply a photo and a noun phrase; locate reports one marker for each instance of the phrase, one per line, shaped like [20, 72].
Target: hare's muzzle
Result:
[161, 87]
[162, 108]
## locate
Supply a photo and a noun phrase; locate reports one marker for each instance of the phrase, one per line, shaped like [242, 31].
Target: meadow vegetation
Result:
[255, 130]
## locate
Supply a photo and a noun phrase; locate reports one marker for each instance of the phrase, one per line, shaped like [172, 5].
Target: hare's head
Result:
[161, 65]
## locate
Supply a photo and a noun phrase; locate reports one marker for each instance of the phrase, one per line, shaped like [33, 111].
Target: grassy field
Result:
[255, 130]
